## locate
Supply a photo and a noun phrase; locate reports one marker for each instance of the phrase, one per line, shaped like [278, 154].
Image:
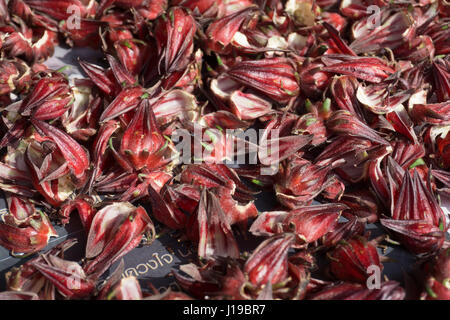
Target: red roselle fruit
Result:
[437, 285]
[269, 263]
[334, 117]
[350, 260]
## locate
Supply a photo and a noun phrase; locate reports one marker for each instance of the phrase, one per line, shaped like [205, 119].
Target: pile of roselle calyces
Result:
[358, 92]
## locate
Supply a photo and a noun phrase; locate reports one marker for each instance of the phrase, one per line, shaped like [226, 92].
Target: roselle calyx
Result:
[350, 260]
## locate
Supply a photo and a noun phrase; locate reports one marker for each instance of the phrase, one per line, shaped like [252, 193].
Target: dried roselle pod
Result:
[234, 211]
[68, 277]
[9, 73]
[231, 6]
[443, 8]
[103, 79]
[35, 45]
[310, 223]
[223, 119]
[22, 10]
[372, 70]
[444, 178]
[99, 148]
[4, 13]
[440, 71]
[299, 43]
[132, 54]
[45, 43]
[336, 42]
[439, 33]
[27, 278]
[311, 124]
[269, 261]
[435, 113]
[175, 105]
[402, 123]
[296, 285]
[76, 156]
[138, 191]
[223, 86]
[13, 295]
[197, 282]
[362, 204]
[344, 89]
[60, 11]
[14, 172]
[414, 76]
[394, 175]
[406, 154]
[29, 237]
[425, 206]
[175, 36]
[300, 182]
[203, 8]
[313, 80]
[419, 49]
[20, 210]
[83, 207]
[232, 281]
[220, 279]
[49, 99]
[348, 155]
[127, 100]
[217, 145]
[115, 230]
[152, 9]
[382, 183]
[390, 34]
[221, 32]
[356, 9]
[209, 226]
[120, 71]
[249, 106]
[216, 175]
[443, 147]
[342, 231]
[437, 283]
[268, 223]
[277, 142]
[418, 236]
[343, 122]
[350, 260]
[334, 189]
[273, 77]
[18, 43]
[417, 218]
[157, 178]
[81, 120]
[377, 98]
[184, 197]
[116, 182]
[169, 211]
[390, 290]
[49, 174]
[186, 79]
[142, 142]
[126, 289]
